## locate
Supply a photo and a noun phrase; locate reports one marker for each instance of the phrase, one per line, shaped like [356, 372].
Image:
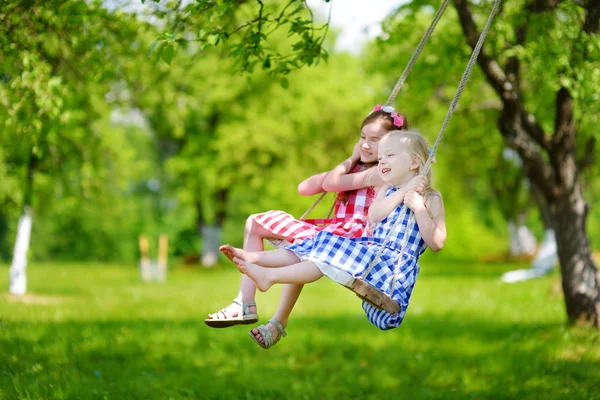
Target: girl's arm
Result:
[383, 206]
[340, 179]
[312, 185]
[430, 218]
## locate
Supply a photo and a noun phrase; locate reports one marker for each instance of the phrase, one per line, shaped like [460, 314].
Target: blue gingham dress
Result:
[343, 259]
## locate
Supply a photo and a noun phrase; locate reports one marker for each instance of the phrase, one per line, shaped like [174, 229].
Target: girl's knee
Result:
[250, 226]
[254, 229]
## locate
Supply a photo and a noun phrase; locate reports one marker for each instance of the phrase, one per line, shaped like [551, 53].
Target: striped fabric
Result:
[349, 220]
[351, 257]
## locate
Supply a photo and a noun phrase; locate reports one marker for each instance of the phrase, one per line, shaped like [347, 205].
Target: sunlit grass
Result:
[95, 331]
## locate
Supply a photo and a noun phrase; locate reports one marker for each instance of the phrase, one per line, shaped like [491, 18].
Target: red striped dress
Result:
[350, 218]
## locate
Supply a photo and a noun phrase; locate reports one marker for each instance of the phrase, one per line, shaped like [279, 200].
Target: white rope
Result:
[417, 52]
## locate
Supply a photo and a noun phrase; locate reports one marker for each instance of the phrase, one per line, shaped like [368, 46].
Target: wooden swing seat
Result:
[374, 297]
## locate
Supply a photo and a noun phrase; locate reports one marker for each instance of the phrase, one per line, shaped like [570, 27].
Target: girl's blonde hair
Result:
[417, 147]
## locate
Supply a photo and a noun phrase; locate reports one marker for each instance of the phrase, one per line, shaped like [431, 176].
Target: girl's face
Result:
[370, 136]
[396, 165]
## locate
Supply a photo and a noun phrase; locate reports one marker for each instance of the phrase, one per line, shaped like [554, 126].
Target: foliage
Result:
[90, 331]
[125, 145]
[245, 28]
[52, 128]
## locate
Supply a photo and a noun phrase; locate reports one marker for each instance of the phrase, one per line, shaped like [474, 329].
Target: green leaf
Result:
[168, 54]
[152, 47]
[284, 83]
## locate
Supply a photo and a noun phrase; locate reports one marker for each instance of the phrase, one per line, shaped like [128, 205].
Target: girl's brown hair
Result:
[386, 119]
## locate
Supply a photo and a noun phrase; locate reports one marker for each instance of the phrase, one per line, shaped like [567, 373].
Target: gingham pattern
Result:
[349, 221]
[354, 255]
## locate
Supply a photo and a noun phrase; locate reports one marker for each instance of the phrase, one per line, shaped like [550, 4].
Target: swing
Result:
[362, 289]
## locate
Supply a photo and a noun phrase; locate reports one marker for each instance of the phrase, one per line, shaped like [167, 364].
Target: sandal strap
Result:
[222, 314]
[244, 306]
[267, 336]
[279, 327]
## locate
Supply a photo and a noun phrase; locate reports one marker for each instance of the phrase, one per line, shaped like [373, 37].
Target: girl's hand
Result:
[417, 184]
[369, 229]
[414, 201]
[356, 152]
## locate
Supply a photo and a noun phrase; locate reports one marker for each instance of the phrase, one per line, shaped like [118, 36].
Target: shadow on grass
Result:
[429, 357]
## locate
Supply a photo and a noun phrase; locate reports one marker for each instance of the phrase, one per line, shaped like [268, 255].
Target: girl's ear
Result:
[416, 163]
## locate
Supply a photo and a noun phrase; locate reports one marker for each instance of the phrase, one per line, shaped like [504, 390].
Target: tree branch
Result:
[534, 129]
[592, 16]
[494, 74]
[515, 136]
[539, 6]
[564, 127]
[518, 127]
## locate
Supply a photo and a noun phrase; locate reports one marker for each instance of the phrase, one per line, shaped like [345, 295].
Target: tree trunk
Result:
[18, 277]
[522, 241]
[211, 240]
[580, 278]
[4, 250]
[211, 234]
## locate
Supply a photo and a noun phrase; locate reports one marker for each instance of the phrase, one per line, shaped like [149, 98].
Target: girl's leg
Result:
[253, 241]
[289, 296]
[264, 278]
[269, 258]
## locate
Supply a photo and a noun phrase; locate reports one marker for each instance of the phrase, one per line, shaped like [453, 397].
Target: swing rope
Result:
[400, 83]
[417, 52]
[314, 205]
[427, 167]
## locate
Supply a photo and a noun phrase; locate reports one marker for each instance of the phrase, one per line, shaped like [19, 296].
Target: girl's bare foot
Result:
[255, 272]
[230, 252]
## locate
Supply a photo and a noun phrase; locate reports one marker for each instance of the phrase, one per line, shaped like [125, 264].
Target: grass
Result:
[89, 331]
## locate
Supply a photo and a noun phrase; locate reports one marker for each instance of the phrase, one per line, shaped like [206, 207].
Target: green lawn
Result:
[96, 332]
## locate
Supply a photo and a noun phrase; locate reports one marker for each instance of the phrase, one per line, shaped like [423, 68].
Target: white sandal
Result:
[222, 319]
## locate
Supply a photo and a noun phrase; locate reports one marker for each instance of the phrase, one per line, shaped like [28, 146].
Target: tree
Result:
[47, 98]
[552, 159]
[539, 50]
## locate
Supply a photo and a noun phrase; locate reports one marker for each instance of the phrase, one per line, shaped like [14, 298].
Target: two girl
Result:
[402, 157]
[353, 179]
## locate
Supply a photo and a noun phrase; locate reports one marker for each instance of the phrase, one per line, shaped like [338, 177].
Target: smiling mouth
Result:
[385, 170]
